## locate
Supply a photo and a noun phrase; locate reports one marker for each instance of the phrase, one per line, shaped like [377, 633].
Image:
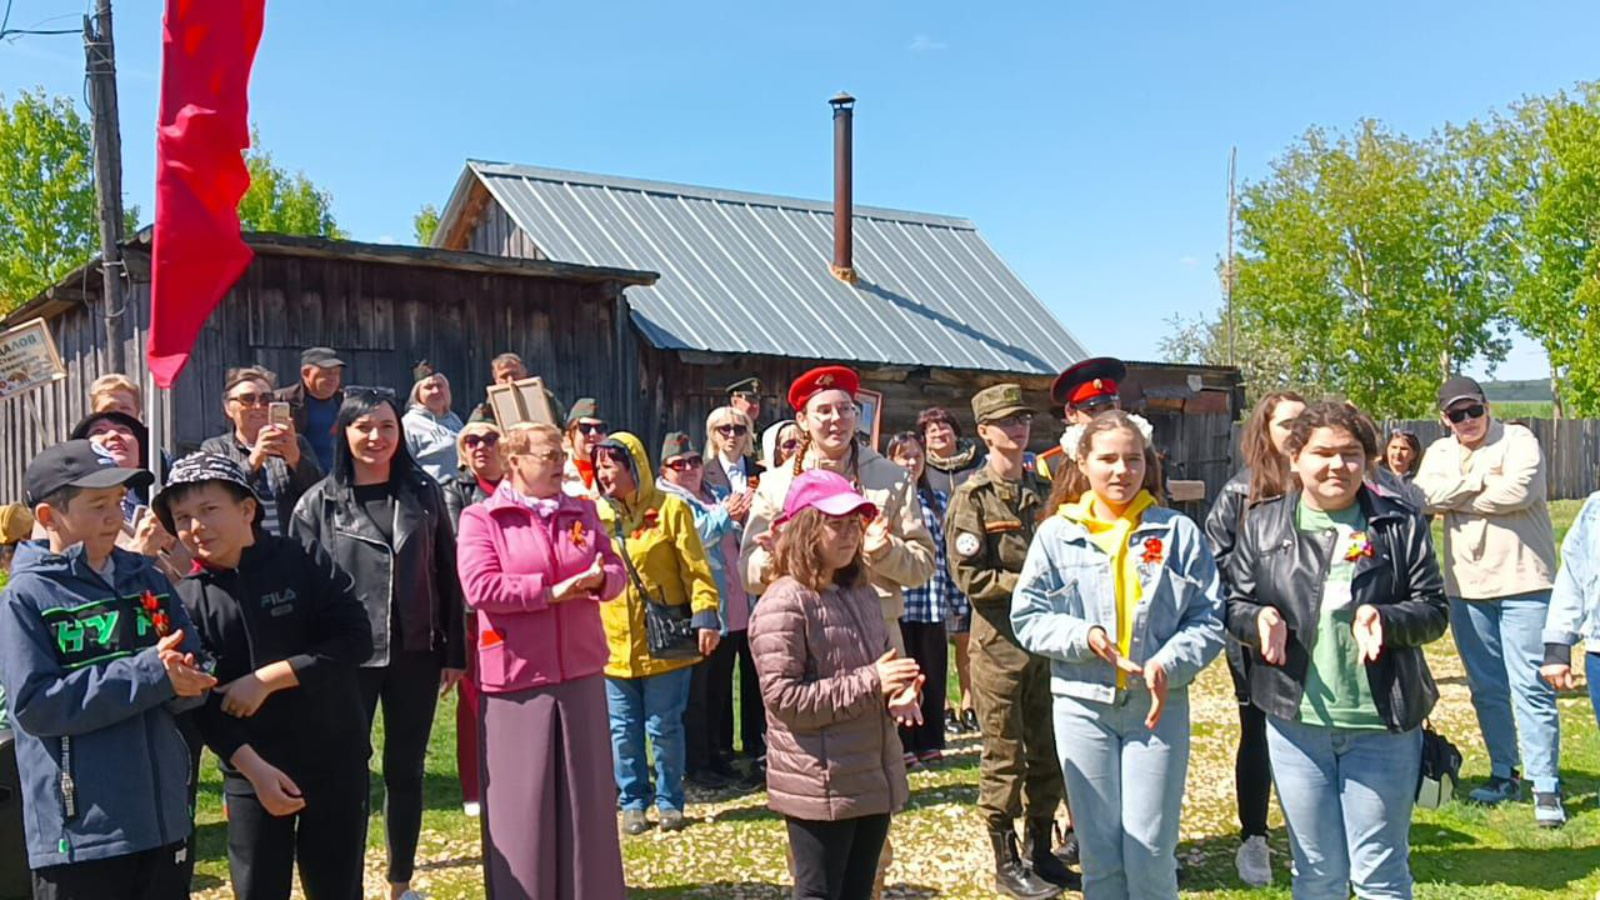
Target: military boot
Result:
[1046, 864]
[1011, 877]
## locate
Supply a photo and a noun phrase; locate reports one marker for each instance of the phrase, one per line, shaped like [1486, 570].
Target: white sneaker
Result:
[1254, 861]
[473, 810]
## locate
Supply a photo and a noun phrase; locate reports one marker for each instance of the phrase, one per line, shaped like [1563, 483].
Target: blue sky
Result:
[1088, 141]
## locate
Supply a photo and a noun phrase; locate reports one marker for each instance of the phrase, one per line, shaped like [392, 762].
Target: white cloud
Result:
[924, 44]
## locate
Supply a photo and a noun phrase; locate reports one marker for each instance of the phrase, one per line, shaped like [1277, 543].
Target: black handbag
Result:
[1440, 771]
[669, 630]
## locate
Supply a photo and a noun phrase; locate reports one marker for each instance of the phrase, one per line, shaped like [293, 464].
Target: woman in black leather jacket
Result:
[1336, 588]
[1265, 475]
[383, 520]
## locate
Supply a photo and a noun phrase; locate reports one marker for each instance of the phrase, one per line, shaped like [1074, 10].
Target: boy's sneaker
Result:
[1498, 790]
[1547, 809]
[634, 821]
[1254, 861]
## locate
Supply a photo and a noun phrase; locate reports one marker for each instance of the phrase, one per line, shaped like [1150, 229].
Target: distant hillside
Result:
[1536, 390]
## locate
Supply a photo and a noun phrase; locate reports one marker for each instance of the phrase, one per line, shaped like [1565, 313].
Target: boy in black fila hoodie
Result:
[286, 632]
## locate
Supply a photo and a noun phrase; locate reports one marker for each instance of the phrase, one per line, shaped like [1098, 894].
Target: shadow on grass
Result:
[751, 889]
[1538, 868]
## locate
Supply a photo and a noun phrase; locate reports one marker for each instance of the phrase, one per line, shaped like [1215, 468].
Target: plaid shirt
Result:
[932, 602]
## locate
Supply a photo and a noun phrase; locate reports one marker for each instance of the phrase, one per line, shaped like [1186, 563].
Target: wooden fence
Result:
[1571, 450]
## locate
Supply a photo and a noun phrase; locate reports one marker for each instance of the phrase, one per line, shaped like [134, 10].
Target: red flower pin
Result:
[1152, 551]
[1359, 546]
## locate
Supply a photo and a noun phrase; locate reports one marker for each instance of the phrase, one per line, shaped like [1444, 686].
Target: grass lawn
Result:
[735, 848]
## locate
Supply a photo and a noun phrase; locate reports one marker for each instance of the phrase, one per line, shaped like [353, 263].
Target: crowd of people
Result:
[342, 549]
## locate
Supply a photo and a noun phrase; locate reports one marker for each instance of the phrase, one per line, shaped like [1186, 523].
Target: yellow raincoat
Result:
[659, 537]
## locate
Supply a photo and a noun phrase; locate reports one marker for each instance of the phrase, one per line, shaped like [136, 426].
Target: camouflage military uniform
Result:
[990, 525]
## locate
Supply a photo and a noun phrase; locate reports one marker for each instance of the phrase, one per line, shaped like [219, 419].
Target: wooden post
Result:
[102, 83]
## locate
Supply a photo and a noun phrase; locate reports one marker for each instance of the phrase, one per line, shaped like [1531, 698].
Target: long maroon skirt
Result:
[549, 801]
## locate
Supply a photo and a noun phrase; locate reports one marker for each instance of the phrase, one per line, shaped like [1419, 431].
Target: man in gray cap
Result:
[1486, 478]
[315, 399]
[989, 526]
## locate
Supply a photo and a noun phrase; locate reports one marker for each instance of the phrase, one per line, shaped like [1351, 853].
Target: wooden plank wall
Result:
[380, 318]
[1571, 450]
[497, 235]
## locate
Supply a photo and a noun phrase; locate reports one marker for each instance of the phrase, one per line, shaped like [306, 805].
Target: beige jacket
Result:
[906, 562]
[1497, 536]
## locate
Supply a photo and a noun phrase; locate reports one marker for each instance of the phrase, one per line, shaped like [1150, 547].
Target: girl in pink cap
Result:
[834, 687]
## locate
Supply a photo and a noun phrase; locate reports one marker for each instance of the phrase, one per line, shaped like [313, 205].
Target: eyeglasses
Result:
[369, 393]
[592, 427]
[472, 441]
[1015, 421]
[732, 430]
[685, 464]
[252, 399]
[1475, 411]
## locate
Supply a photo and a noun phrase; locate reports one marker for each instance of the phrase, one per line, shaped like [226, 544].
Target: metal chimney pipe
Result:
[843, 207]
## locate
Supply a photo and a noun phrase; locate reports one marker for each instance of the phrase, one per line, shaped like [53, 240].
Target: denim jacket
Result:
[1575, 599]
[1065, 590]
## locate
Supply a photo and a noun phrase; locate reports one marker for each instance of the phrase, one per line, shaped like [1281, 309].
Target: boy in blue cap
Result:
[97, 658]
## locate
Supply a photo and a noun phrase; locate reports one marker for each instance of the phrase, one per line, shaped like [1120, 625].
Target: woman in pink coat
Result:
[535, 565]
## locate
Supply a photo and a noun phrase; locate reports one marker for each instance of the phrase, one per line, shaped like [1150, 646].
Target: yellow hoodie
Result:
[661, 541]
[1112, 537]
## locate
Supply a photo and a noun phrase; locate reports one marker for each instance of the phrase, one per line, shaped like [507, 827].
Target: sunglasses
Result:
[592, 427]
[685, 464]
[790, 445]
[1013, 421]
[732, 430]
[473, 441]
[1097, 404]
[1457, 416]
[547, 456]
[369, 393]
[252, 399]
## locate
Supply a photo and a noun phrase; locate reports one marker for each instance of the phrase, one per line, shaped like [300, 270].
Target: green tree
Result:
[281, 203]
[1546, 169]
[49, 224]
[424, 224]
[1261, 354]
[1368, 258]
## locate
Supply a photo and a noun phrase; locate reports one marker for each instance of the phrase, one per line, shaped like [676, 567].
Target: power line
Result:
[6, 32]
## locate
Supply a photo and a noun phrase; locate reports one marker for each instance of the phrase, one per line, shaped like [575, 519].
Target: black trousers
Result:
[327, 838]
[157, 874]
[710, 711]
[836, 860]
[1252, 767]
[408, 690]
[925, 643]
[752, 712]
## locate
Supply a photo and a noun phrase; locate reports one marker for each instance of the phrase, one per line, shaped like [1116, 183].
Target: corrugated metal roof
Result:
[749, 273]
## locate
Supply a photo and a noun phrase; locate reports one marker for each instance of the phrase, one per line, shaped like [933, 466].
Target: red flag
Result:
[204, 129]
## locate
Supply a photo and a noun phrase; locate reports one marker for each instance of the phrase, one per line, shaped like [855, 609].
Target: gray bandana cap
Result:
[195, 469]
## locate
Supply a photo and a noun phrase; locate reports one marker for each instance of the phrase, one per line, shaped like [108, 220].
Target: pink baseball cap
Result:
[826, 492]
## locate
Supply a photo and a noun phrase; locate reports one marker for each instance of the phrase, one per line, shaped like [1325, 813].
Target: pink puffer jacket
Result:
[510, 558]
[832, 749]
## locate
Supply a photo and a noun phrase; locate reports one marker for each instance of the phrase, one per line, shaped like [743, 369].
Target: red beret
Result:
[823, 378]
[1087, 380]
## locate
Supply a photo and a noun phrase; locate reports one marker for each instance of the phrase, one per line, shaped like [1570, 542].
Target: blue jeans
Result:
[1347, 796]
[1125, 786]
[648, 706]
[1502, 647]
[1593, 670]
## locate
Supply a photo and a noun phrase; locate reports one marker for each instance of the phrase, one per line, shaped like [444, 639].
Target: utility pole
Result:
[1227, 267]
[101, 71]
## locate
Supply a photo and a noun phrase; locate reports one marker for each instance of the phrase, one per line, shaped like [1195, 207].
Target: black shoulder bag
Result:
[669, 630]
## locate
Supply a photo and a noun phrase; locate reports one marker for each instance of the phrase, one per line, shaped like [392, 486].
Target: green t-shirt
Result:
[1338, 694]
